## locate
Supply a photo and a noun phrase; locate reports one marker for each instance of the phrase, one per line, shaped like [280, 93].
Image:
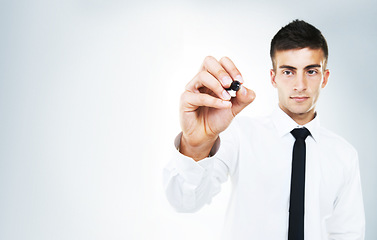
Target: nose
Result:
[301, 83]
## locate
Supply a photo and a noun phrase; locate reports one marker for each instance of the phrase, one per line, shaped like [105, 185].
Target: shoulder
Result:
[338, 148]
[336, 141]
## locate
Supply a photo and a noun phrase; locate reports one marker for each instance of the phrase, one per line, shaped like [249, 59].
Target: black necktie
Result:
[297, 199]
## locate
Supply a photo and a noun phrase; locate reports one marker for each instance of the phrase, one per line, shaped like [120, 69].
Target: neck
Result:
[301, 118]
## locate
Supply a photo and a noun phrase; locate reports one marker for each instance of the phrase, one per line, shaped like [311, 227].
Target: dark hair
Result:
[296, 35]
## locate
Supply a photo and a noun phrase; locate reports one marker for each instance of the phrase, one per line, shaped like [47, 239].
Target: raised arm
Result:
[192, 178]
[207, 109]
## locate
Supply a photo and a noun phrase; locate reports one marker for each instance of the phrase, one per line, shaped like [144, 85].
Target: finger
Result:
[243, 98]
[191, 101]
[212, 66]
[231, 68]
[205, 79]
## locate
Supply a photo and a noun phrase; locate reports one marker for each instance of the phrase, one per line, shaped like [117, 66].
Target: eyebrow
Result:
[307, 67]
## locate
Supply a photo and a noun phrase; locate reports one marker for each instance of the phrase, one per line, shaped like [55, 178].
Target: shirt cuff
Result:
[193, 171]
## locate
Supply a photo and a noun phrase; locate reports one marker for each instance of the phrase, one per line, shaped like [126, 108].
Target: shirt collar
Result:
[285, 124]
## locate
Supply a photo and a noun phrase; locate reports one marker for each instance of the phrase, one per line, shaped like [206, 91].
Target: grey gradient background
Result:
[89, 95]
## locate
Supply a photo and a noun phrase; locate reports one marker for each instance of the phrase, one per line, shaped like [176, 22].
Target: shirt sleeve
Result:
[188, 184]
[348, 219]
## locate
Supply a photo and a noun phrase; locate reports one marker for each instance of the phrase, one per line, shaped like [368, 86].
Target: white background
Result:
[89, 95]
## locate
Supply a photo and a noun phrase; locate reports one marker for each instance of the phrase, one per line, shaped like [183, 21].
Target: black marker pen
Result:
[235, 86]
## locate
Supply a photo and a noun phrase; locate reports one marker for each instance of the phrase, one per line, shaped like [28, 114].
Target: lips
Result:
[299, 99]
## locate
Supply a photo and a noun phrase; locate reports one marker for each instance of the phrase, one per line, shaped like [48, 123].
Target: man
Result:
[285, 186]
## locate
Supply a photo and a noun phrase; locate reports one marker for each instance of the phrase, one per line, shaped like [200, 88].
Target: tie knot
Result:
[300, 133]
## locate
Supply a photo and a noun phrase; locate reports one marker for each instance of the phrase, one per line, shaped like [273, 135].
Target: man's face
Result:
[299, 76]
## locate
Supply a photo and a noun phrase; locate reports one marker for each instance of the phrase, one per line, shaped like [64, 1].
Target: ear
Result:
[326, 75]
[272, 75]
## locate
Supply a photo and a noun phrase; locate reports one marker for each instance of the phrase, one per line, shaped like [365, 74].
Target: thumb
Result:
[243, 98]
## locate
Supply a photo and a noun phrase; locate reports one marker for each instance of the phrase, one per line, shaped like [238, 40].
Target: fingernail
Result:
[239, 78]
[227, 80]
[226, 95]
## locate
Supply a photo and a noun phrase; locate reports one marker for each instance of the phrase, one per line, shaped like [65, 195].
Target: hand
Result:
[207, 109]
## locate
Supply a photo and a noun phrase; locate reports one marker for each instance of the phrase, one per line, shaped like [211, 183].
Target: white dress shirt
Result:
[257, 154]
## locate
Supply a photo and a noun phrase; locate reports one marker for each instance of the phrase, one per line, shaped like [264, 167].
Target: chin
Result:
[299, 110]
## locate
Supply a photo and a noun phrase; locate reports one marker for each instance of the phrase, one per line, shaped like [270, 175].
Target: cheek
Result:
[284, 88]
[283, 94]
[315, 85]
[315, 93]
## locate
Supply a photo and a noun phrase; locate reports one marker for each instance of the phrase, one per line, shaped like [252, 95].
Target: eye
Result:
[287, 72]
[312, 72]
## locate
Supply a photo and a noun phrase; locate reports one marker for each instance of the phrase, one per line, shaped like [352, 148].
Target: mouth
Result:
[299, 99]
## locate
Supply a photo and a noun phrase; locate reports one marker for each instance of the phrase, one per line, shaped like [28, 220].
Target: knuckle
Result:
[229, 64]
[208, 61]
[224, 59]
[183, 96]
[206, 78]
[202, 75]
[188, 86]
[233, 69]
[221, 73]
[201, 98]
[208, 58]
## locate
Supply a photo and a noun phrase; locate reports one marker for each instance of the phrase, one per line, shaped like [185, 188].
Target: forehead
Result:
[299, 58]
